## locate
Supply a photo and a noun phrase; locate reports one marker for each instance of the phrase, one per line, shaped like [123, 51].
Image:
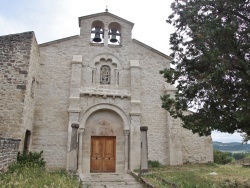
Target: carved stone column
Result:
[80, 140]
[126, 152]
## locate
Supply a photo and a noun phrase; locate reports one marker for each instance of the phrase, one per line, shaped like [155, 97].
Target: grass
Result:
[36, 177]
[198, 175]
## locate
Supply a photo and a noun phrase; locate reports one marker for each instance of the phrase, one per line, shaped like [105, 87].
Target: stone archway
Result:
[101, 123]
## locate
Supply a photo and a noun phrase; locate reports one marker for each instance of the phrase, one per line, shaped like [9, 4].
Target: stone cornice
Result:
[103, 14]
[105, 93]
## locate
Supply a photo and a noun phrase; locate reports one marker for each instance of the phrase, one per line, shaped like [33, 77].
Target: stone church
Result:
[83, 99]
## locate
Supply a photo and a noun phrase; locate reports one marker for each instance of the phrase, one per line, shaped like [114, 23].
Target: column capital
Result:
[81, 130]
[75, 125]
[126, 132]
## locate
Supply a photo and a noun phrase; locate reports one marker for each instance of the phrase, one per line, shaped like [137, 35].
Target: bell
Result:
[97, 37]
[113, 35]
[98, 32]
[113, 38]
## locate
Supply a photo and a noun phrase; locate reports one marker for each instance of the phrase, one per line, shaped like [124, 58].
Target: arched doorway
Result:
[104, 141]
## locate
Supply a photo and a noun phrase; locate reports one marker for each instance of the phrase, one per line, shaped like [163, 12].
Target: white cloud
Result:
[226, 137]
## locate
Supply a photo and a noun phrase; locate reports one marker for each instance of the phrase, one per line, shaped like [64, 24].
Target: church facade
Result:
[83, 99]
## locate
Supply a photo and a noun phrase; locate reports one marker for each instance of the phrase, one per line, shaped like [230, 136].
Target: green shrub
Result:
[239, 156]
[153, 164]
[31, 159]
[222, 157]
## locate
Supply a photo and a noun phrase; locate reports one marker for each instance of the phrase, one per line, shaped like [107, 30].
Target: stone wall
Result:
[16, 55]
[8, 152]
[196, 149]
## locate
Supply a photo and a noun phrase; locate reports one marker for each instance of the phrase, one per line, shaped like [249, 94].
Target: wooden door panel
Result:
[96, 154]
[108, 165]
[109, 154]
[103, 151]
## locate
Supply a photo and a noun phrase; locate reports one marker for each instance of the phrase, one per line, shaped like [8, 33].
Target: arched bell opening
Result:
[114, 33]
[97, 32]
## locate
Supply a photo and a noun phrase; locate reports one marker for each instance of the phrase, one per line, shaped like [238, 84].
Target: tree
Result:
[211, 55]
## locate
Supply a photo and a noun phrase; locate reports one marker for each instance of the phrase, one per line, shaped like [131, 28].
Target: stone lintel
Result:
[135, 64]
[143, 128]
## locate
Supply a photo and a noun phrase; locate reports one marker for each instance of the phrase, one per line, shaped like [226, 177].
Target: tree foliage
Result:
[211, 55]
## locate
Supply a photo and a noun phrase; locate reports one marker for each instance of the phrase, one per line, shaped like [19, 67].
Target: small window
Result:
[27, 141]
[105, 75]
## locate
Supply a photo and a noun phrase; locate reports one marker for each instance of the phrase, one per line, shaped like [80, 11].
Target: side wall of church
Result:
[52, 100]
[16, 52]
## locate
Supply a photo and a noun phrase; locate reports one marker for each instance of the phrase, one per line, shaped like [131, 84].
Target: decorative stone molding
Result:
[105, 92]
[105, 56]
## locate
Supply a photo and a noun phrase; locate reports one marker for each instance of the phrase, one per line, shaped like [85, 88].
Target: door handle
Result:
[96, 158]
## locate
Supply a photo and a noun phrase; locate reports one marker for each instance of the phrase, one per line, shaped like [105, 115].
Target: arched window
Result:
[105, 75]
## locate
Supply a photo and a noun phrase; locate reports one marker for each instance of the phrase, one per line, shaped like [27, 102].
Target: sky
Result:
[56, 19]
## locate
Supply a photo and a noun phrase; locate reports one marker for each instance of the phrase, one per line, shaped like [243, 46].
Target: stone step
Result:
[109, 181]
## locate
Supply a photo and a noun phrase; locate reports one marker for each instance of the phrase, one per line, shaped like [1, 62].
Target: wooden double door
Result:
[103, 154]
